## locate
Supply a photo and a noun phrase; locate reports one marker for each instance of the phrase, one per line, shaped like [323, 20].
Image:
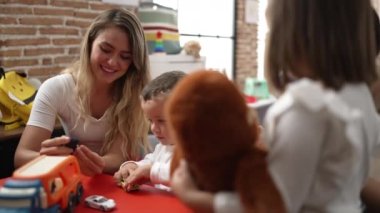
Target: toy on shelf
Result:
[255, 89]
[192, 48]
[160, 20]
[159, 44]
[45, 184]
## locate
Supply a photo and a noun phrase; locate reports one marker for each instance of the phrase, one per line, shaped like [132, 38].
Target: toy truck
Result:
[45, 184]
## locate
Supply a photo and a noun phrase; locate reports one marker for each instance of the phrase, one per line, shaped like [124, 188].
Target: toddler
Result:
[155, 166]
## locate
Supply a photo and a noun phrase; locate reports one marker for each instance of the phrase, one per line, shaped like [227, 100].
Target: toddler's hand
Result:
[139, 176]
[125, 170]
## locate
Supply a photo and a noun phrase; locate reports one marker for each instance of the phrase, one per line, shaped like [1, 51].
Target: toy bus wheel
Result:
[79, 193]
[70, 204]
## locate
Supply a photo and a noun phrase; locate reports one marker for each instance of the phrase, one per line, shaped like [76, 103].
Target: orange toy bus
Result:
[47, 183]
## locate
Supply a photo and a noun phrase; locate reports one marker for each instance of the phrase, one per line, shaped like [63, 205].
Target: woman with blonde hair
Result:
[96, 99]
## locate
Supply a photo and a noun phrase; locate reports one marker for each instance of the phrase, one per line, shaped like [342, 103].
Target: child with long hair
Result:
[321, 131]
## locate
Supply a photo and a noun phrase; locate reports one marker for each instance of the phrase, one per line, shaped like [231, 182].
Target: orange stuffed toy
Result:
[214, 132]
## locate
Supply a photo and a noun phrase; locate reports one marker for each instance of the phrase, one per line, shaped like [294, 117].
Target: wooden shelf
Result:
[16, 133]
[160, 63]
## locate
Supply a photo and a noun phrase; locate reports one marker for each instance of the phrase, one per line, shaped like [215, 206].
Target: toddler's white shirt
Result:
[160, 159]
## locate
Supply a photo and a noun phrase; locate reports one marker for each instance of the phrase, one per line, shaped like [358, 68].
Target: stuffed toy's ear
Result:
[208, 118]
[213, 130]
[257, 191]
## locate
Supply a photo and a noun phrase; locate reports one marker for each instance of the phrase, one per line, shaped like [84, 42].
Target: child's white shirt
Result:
[160, 159]
[320, 144]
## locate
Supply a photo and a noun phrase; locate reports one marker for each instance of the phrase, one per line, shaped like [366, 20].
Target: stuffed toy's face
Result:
[209, 121]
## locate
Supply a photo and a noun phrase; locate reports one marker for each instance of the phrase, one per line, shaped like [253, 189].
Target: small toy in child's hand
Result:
[100, 202]
[132, 187]
[129, 187]
[73, 143]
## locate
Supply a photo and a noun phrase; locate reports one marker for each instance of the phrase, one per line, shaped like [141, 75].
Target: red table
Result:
[147, 199]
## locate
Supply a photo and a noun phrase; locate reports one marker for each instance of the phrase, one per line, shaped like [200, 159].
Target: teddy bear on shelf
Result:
[192, 48]
[218, 137]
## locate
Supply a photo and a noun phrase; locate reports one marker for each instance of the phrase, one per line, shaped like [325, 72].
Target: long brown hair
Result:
[333, 38]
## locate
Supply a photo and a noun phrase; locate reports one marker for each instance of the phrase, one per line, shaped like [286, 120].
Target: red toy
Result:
[209, 120]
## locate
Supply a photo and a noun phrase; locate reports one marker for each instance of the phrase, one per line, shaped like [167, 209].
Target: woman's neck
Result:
[100, 101]
[102, 89]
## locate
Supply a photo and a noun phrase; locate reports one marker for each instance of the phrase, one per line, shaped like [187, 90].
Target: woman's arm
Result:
[35, 141]
[30, 144]
[35, 138]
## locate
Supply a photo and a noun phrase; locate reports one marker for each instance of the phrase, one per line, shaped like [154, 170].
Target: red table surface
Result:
[147, 199]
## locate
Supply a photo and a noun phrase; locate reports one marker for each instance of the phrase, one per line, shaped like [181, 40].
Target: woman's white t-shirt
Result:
[56, 98]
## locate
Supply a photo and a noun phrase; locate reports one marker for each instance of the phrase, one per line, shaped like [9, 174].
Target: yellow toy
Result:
[16, 95]
[128, 188]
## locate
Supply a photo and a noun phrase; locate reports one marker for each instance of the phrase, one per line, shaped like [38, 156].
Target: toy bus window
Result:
[6, 193]
[19, 203]
[55, 185]
[43, 198]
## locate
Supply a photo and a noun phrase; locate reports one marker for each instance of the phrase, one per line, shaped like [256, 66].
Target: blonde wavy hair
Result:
[127, 121]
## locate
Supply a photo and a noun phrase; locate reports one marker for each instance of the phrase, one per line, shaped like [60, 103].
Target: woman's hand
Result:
[90, 162]
[56, 146]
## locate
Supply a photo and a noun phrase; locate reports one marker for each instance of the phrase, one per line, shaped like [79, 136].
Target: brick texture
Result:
[49, 33]
[246, 47]
[42, 37]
